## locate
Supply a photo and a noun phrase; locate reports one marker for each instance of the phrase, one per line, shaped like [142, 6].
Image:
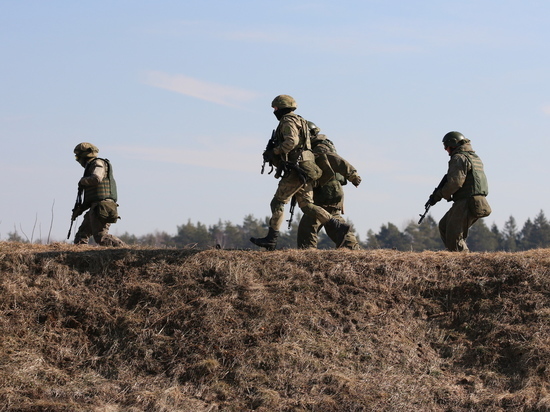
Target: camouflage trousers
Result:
[453, 227]
[92, 225]
[289, 186]
[309, 228]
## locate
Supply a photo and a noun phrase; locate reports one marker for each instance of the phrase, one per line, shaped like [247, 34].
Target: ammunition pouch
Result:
[306, 171]
[478, 206]
[107, 211]
[311, 170]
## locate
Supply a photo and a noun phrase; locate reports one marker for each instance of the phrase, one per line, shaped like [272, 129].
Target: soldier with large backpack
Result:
[291, 154]
[98, 187]
[327, 191]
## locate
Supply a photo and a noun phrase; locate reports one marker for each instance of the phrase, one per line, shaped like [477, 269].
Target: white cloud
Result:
[189, 86]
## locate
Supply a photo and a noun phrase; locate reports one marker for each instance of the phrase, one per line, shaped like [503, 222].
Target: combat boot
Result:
[340, 230]
[269, 242]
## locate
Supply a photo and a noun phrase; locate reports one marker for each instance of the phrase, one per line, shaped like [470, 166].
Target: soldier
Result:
[328, 191]
[466, 185]
[100, 196]
[296, 167]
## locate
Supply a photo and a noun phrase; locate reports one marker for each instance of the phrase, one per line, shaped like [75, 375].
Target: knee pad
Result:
[277, 206]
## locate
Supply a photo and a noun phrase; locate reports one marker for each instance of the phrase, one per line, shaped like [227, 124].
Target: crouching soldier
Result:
[100, 196]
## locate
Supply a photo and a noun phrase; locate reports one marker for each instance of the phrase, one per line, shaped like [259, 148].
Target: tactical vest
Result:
[106, 188]
[476, 181]
[322, 145]
[331, 193]
[295, 155]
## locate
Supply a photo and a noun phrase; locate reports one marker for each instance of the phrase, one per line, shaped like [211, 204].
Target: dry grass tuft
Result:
[138, 329]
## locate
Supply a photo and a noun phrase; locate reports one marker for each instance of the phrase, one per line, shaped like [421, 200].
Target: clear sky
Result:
[177, 95]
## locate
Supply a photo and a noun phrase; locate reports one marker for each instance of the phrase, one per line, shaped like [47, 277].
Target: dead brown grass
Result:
[98, 329]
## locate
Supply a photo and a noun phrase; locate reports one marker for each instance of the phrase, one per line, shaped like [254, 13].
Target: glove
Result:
[268, 156]
[76, 212]
[355, 179]
[435, 197]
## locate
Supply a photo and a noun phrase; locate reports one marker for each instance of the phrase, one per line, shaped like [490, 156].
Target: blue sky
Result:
[177, 95]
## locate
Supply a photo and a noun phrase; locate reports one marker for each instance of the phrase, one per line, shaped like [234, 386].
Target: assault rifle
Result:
[292, 207]
[268, 152]
[77, 205]
[429, 202]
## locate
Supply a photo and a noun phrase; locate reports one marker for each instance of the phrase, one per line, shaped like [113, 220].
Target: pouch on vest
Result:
[479, 206]
[311, 169]
[107, 211]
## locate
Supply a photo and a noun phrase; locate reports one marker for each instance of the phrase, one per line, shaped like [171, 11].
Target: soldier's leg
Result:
[350, 241]
[304, 196]
[287, 187]
[453, 227]
[84, 231]
[100, 231]
[285, 190]
[307, 232]
[443, 229]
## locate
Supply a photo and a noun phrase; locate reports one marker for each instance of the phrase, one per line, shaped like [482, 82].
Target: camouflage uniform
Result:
[467, 187]
[328, 193]
[295, 147]
[297, 169]
[100, 196]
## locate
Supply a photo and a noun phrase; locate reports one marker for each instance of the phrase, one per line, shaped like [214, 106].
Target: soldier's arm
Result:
[291, 137]
[456, 175]
[97, 176]
[345, 168]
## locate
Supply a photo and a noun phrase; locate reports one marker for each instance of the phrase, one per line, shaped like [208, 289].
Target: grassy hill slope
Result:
[96, 329]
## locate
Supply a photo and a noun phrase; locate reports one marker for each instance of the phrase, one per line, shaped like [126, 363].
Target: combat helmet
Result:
[313, 129]
[284, 101]
[453, 139]
[85, 150]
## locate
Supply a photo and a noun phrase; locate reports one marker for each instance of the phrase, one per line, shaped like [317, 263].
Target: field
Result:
[139, 329]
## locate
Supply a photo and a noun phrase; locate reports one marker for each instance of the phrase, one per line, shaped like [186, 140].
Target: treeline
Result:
[535, 233]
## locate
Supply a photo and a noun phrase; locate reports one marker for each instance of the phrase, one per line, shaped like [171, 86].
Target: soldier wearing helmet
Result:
[466, 186]
[100, 197]
[296, 167]
[327, 191]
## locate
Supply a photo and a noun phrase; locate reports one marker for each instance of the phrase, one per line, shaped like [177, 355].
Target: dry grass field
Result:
[137, 329]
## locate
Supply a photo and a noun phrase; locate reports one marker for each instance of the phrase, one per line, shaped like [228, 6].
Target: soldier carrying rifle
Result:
[465, 184]
[100, 196]
[295, 163]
